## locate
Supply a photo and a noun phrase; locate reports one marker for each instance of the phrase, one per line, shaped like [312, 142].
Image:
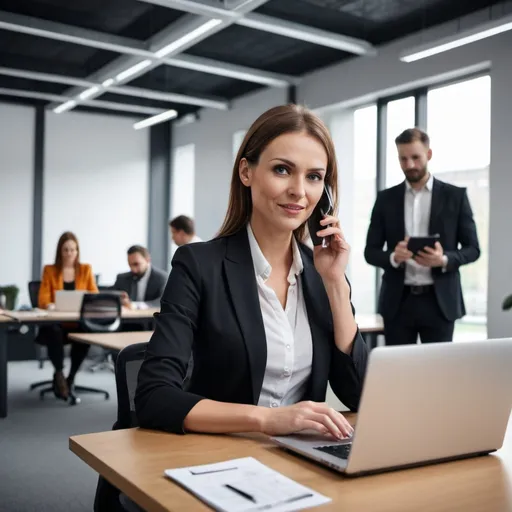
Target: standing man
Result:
[420, 295]
[144, 283]
[183, 230]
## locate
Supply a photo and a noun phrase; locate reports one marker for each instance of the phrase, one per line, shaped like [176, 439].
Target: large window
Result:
[459, 128]
[182, 184]
[399, 116]
[363, 196]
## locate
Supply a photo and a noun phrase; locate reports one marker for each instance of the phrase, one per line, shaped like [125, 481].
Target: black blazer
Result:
[451, 217]
[154, 290]
[211, 308]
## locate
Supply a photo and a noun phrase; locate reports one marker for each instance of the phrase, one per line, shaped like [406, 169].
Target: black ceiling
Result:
[376, 21]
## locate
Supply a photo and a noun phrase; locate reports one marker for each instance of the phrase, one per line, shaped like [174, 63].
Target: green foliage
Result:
[11, 294]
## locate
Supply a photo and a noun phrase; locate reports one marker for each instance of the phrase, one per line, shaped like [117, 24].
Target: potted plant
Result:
[11, 294]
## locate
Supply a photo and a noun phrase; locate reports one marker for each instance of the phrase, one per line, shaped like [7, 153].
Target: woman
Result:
[254, 305]
[67, 273]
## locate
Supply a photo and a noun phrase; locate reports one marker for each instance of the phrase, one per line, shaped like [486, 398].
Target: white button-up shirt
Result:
[142, 285]
[417, 205]
[287, 332]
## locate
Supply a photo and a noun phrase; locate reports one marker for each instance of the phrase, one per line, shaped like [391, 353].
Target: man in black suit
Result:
[144, 283]
[420, 294]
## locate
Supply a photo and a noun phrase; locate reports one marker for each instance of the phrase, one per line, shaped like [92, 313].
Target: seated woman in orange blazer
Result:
[67, 273]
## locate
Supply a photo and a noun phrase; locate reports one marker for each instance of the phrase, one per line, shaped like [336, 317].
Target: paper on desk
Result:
[264, 488]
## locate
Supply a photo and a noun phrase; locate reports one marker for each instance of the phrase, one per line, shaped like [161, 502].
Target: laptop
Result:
[422, 404]
[69, 300]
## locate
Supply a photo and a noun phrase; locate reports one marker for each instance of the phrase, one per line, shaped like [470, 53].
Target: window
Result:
[459, 120]
[400, 116]
[238, 138]
[182, 184]
[364, 194]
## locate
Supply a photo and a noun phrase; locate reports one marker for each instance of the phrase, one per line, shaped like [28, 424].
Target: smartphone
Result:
[324, 207]
[417, 243]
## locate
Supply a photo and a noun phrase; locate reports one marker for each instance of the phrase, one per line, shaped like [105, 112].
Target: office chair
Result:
[128, 362]
[99, 313]
[33, 292]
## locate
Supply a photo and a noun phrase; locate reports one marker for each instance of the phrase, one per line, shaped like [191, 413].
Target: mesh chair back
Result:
[128, 364]
[33, 292]
[100, 312]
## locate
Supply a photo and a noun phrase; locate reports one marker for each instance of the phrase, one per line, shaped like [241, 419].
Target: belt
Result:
[419, 289]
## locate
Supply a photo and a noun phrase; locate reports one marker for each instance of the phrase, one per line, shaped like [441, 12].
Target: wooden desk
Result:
[16, 318]
[134, 461]
[41, 316]
[112, 340]
[118, 340]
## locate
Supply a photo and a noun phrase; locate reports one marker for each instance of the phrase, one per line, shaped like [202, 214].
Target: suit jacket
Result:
[451, 217]
[154, 289]
[52, 281]
[211, 308]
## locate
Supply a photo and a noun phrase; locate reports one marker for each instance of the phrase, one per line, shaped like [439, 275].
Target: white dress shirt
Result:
[417, 207]
[287, 332]
[142, 285]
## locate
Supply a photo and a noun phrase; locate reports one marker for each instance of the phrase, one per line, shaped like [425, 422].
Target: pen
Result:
[241, 493]
[285, 502]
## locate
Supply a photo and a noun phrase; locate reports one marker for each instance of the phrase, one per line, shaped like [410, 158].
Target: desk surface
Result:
[134, 461]
[40, 316]
[118, 340]
[112, 340]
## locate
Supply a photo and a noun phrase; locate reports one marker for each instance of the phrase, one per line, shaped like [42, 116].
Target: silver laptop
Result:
[69, 300]
[422, 404]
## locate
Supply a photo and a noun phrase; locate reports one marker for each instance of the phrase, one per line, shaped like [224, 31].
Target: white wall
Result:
[360, 80]
[213, 139]
[96, 185]
[16, 196]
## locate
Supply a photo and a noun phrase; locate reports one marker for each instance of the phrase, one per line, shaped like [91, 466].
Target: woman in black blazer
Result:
[227, 301]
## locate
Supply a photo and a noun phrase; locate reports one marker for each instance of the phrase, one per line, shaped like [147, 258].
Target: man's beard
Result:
[415, 175]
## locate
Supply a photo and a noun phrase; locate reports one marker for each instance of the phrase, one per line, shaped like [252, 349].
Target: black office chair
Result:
[129, 360]
[99, 313]
[33, 292]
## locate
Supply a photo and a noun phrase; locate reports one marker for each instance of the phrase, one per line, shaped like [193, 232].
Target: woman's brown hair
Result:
[270, 125]
[62, 240]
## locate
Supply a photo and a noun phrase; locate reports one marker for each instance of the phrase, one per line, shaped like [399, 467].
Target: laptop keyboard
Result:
[342, 451]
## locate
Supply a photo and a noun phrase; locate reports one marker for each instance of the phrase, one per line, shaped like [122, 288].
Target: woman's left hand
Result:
[331, 262]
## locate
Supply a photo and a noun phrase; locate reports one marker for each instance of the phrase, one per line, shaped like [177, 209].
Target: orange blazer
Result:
[52, 281]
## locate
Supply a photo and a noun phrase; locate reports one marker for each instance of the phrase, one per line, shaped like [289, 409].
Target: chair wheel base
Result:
[74, 400]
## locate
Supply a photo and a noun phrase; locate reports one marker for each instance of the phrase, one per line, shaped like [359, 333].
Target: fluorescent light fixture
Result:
[108, 82]
[89, 92]
[65, 106]
[483, 31]
[133, 70]
[187, 38]
[159, 118]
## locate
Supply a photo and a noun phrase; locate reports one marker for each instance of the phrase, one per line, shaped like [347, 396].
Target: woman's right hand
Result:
[306, 415]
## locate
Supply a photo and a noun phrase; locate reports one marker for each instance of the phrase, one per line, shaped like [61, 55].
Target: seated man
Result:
[183, 231]
[144, 284]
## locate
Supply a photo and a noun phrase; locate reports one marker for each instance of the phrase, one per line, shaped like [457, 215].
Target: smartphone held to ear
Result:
[324, 207]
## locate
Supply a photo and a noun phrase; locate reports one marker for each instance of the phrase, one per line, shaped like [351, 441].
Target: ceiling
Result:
[53, 50]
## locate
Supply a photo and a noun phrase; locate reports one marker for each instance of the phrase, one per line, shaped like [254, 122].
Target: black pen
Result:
[241, 493]
[285, 502]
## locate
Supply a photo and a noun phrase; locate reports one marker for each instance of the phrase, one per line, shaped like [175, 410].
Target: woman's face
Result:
[287, 182]
[69, 251]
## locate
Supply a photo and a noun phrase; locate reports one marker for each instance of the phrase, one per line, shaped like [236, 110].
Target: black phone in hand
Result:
[324, 207]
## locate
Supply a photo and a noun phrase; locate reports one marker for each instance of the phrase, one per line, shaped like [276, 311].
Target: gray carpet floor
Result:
[38, 472]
